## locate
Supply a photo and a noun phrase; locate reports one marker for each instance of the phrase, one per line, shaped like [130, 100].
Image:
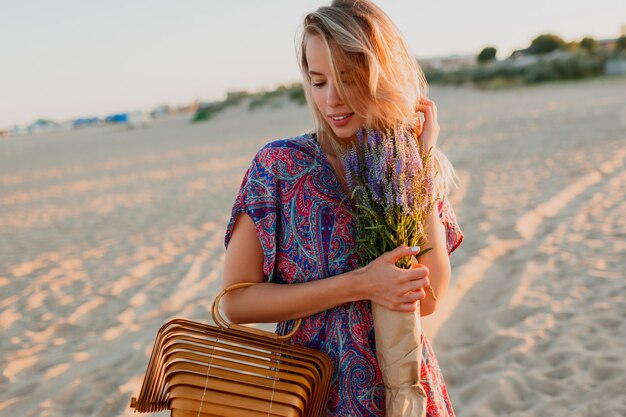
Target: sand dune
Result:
[106, 233]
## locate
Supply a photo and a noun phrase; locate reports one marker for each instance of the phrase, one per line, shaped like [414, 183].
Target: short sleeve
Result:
[454, 235]
[258, 198]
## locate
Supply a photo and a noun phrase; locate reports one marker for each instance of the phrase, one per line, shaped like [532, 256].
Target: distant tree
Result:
[546, 43]
[487, 54]
[572, 46]
[590, 44]
[620, 44]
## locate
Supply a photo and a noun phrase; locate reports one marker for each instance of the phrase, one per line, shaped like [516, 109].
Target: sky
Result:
[65, 58]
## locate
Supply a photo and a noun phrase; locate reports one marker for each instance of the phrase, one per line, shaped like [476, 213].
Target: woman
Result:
[291, 221]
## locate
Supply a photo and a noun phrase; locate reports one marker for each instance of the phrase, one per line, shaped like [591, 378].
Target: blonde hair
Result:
[389, 82]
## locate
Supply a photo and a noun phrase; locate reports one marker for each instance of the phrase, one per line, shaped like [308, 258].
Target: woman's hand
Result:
[430, 130]
[394, 288]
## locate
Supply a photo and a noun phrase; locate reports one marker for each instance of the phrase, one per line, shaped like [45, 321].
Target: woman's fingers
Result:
[392, 256]
[428, 104]
[414, 296]
[403, 287]
[411, 306]
[417, 272]
[429, 112]
[417, 285]
[430, 117]
[416, 281]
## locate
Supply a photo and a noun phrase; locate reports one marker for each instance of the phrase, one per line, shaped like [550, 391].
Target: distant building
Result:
[160, 111]
[519, 53]
[236, 94]
[18, 130]
[520, 58]
[139, 118]
[42, 125]
[615, 66]
[133, 119]
[85, 121]
[189, 108]
[116, 118]
[608, 45]
[450, 62]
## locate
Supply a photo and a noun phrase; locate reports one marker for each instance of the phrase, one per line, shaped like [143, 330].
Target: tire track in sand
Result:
[475, 268]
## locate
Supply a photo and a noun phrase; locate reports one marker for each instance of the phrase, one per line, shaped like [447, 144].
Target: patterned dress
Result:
[303, 221]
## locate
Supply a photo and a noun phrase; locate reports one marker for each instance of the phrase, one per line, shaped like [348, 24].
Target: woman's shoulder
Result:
[293, 151]
[287, 146]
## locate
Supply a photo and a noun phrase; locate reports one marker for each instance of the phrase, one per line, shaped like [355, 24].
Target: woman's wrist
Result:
[356, 285]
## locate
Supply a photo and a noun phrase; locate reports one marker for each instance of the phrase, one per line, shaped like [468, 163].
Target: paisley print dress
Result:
[303, 221]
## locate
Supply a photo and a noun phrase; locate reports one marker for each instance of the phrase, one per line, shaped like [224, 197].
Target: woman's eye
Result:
[321, 83]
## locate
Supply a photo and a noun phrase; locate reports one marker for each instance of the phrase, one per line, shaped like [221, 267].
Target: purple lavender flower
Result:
[376, 175]
[359, 136]
[391, 181]
[367, 154]
[413, 153]
[351, 166]
[372, 166]
[428, 182]
[388, 155]
[389, 198]
[410, 193]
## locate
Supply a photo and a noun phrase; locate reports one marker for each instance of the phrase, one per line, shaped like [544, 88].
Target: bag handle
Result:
[224, 324]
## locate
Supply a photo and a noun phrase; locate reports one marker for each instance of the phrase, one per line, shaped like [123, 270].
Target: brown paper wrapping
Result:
[399, 353]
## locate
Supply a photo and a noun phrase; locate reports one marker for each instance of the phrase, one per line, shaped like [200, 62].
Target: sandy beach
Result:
[106, 233]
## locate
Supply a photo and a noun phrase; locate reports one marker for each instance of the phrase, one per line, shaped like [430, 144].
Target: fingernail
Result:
[415, 248]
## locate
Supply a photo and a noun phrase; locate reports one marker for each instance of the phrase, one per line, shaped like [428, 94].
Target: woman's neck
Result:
[331, 151]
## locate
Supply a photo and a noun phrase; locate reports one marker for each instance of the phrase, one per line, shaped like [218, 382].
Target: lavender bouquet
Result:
[391, 181]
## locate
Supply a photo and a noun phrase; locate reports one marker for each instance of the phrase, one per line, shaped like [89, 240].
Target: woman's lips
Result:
[342, 122]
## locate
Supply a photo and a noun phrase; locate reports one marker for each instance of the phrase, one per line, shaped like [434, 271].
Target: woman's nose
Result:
[332, 99]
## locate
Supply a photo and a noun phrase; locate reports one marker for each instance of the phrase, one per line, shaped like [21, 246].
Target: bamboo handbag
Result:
[202, 370]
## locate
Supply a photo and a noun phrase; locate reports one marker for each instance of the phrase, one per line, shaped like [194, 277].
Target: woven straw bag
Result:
[202, 370]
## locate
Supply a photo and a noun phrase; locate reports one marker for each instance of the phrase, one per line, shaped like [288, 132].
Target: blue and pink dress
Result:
[303, 221]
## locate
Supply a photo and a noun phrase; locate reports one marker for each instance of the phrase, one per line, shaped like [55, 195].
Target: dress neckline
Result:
[324, 158]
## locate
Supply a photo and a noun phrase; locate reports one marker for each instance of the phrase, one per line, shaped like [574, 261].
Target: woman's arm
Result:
[269, 302]
[436, 260]
[380, 281]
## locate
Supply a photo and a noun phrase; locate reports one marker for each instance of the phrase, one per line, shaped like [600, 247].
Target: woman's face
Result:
[325, 95]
